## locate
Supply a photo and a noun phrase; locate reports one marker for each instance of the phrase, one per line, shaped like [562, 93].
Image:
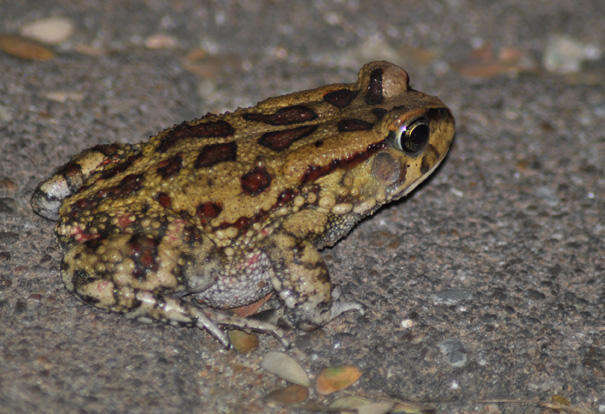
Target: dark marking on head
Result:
[379, 113]
[214, 153]
[430, 157]
[340, 98]
[314, 172]
[164, 199]
[374, 92]
[255, 181]
[185, 130]
[143, 252]
[280, 140]
[171, 166]
[431, 148]
[425, 166]
[439, 114]
[285, 116]
[208, 210]
[347, 125]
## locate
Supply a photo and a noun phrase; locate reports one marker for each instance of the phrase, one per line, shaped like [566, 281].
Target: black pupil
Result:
[416, 137]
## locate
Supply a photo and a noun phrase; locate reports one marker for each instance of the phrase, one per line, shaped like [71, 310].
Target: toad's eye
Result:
[412, 136]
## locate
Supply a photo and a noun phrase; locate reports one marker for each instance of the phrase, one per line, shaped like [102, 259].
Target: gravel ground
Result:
[484, 288]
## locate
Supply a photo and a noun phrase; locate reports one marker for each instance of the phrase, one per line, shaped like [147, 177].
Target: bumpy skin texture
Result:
[227, 208]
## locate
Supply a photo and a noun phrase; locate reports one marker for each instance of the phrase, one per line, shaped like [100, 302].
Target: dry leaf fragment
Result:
[337, 378]
[242, 341]
[292, 394]
[24, 48]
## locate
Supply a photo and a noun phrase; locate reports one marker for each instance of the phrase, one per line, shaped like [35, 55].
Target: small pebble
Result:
[451, 296]
[52, 30]
[285, 367]
[64, 96]
[160, 41]
[565, 55]
[454, 351]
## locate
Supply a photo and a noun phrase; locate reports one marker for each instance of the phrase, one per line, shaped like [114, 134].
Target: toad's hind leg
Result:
[142, 278]
[69, 178]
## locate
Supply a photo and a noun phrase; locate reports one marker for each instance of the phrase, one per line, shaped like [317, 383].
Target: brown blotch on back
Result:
[242, 223]
[374, 92]
[128, 185]
[255, 181]
[121, 167]
[84, 204]
[170, 166]
[164, 199]
[202, 130]
[280, 140]
[340, 98]
[208, 210]
[346, 125]
[214, 153]
[285, 116]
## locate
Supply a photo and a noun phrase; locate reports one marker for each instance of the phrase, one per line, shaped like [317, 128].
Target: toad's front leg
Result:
[301, 278]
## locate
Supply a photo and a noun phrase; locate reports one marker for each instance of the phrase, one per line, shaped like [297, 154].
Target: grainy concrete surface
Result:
[486, 284]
